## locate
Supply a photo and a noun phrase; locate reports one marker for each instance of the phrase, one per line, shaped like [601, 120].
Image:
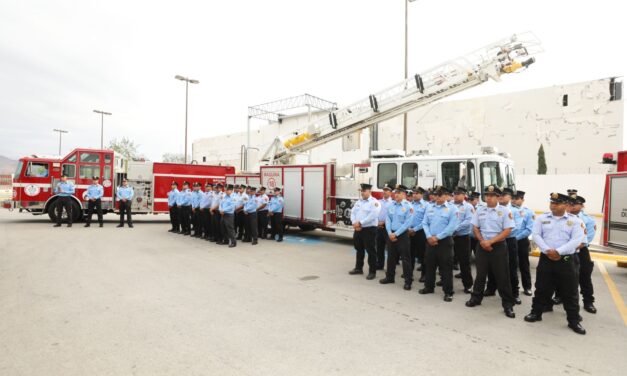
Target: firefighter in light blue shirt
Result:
[124, 196]
[275, 211]
[94, 194]
[216, 217]
[461, 237]
[184, 204]
[522, 240]
[205, 212]
[196, 219]
[250, 216]
[399, 217]
[382, 235]
[558, 235]
[417, 238]
[512, 247]
[586, 265]
[439, 223]
[172, 206]
[492, 224]
[365, 218]
[227, 210]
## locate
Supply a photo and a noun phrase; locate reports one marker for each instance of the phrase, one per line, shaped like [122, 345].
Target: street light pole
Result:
[187, 82]
[406, 68]
[102, 114]
[61, 131]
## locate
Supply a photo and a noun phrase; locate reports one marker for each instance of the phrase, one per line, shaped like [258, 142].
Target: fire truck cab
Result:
[36, 176]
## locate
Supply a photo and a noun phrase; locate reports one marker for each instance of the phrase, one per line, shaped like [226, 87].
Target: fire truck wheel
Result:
[306, 227]
[52, 212]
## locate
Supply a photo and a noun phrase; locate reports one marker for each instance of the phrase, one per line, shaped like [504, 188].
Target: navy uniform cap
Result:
[220, 185]
[252, 188]
[96, 178]
[387, 188]
[185, 183]
[365, 186]
[262, 188]
[459, 190]
[419, 189]
[509, 191]
[559, 198]
[575, 199]
[571, 191]
[175, 183]
[229, 187]
[277, 189]
[492, 190]
[519, 194]
[401, 188]
[440, 190]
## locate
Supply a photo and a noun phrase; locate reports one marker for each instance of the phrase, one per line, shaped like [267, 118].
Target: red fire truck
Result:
[36, 176]
[615, 202]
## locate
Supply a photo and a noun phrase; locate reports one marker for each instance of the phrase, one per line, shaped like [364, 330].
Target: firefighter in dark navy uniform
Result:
[365, 217]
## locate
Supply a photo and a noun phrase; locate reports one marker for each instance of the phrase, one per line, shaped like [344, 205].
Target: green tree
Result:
[125, 147]
[541, 161]
[175, 158]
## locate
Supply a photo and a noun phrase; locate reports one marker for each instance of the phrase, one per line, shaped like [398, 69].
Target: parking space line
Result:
[618, 300]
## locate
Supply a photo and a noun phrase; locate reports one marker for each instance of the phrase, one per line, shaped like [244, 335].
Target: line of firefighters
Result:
[225, 214]
[440, 228]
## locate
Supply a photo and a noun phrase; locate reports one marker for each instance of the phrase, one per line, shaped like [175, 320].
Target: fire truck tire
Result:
[307, 227]
[52, 212]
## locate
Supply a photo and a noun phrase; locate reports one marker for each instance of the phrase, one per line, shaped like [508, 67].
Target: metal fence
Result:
[6, 180]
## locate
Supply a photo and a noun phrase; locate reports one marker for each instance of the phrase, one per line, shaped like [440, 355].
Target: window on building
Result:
[409, 175]
[565, 100]
[491, 174]
[37, 170]
[616, 90]
[459, 174]
[204, 159]
[88, 171]
[69, 170]
[386, 174]
[90, 158]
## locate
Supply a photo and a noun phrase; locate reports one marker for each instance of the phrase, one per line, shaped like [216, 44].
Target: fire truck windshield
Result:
[491, 174]
[18, 169]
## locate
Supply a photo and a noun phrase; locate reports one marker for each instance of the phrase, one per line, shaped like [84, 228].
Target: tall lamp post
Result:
[61, 131]
[406, 68]
[102, 114]
[187, 82]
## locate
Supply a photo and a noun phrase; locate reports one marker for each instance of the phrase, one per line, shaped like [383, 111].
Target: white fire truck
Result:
[316, 196]
[615, 202]
[36, 176]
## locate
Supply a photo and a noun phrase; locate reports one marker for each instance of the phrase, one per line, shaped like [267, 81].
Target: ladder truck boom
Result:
[506, 56]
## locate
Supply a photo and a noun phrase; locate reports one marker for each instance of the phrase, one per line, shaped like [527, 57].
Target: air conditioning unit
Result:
[489, 150]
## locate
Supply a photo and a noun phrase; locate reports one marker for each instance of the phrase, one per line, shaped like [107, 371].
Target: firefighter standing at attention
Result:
[94, 195]
[64, 191]
[364, 217]
[124, 196]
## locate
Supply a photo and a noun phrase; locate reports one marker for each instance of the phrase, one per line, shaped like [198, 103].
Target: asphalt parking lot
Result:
[142, 301]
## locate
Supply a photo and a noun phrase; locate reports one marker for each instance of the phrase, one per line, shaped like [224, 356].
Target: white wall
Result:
[538, 187]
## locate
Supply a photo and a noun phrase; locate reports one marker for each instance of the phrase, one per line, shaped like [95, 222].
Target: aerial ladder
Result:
[506, 56]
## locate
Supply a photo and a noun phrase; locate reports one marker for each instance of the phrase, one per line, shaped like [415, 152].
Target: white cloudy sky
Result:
[61, 59]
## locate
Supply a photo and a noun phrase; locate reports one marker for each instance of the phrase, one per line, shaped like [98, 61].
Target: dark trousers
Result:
[420, 240]
[473, 244]
[251, 226]
[277, 225]
[462, 254]
[262, 224]
[216, 224]
[197, 228]
[125, 209]
[185, 213]
[364, 241]
[512, 252]
[205, 219]
[64, 202]
[586, 265]
[560, 274]
[440, 256]
[382, 241]
[174, 218]
[399, 249]
[97, 204]
[228, 228]
[496, 260]
[240, 224]
[523, 263]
